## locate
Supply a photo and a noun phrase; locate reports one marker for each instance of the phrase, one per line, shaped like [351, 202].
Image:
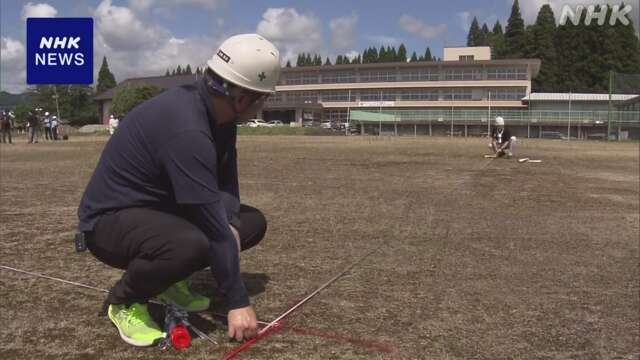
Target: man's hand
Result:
[253, 110]
[242, 323]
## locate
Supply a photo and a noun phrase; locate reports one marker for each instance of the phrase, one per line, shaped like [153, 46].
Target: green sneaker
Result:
[179, 294]
[135, 325]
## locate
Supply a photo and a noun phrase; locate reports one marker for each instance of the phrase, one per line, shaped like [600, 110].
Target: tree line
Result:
[370, 55]
[574, 57]
[186, 70]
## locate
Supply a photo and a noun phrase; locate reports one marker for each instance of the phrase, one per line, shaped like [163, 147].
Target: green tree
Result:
[299, 61]
[129, 96]
[167, 73]
[392, 55]
[402, 53]
[543, 40]
[375, 57]
[515, 34]
[427, 55]
[414, 57]
[187, 70]
[474, 35]
[382, 55]
[496, 41]
[339, 60]
[179, 70]
[484, 36]
[106, 80]
[358, 60]
[288, 64]
[74, 101]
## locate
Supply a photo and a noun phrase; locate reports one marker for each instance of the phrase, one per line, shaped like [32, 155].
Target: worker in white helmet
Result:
[113, 124]
[502, 143]
[163, 201]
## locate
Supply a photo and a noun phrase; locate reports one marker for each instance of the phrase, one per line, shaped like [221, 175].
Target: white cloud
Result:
[464, 20]
[291, 32]
[352, 54]
[12, 69]
[379, 40]
[343, 31]
[417, 27]
[135, 46]
[38, 10]
[121, 29]
[145, 5]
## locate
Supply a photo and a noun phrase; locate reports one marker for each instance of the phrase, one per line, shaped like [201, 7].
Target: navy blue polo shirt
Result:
[169, 155]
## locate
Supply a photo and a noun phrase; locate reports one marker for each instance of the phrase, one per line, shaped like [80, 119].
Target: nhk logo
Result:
[618, 13]
[59, 51]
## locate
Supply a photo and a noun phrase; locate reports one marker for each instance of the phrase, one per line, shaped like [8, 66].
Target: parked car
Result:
[275, 123]
[325, 124]
[257, 123]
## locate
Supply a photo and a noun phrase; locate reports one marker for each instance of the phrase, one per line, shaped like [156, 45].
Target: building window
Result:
[338, 77]
[301, 78]
[338, 96]
[506, 94]
[507, 74]
[465, 57]
[275, 98]
[337, 116]
[457, 94]
[419, 95]
[419, 75]
[302, 97]
[378, 76]
[463, 74]
[378, 95]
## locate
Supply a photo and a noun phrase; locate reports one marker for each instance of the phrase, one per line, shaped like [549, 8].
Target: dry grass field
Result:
[477, 258]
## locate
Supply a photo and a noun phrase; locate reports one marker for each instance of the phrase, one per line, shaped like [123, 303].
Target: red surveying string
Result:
[276, 324]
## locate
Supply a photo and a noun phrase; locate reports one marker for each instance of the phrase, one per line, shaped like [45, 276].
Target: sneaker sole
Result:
[134, 342]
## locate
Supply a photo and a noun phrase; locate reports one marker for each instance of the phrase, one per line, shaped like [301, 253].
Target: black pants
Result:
[47, 133]
[158, 249]
[6, 131]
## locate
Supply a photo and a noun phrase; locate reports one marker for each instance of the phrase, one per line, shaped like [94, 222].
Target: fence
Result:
[581, 123]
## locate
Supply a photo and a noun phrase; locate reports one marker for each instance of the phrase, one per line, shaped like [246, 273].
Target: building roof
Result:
[534, 63]
[575, 97]
[164, 82]
[633, 100]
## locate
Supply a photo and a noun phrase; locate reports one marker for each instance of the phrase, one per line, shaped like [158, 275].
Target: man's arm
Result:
[190, 164]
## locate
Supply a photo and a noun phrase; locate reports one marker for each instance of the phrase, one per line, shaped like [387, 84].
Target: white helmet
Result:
[46, 114]
[110, 116]
[499, 121]
[54, 117]
[248, 61]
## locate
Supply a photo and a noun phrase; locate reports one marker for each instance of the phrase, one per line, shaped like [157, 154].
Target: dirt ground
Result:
[476, 259]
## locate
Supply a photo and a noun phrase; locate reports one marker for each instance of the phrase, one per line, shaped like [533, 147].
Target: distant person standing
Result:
[113, 124]
[46, 122]
[5, 125]
[54, 128]
[502, 143]
[32, 124]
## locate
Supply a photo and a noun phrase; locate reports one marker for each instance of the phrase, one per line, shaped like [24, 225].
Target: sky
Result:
[145, 37]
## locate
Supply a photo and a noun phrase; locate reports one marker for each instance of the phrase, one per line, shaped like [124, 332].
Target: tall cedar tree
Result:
[484, 35]
[106, 80]
[473, 38]
[496, 41]
[402, 53]
[515, 34]
[427, 55]
[414, 57]
[544, 49]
